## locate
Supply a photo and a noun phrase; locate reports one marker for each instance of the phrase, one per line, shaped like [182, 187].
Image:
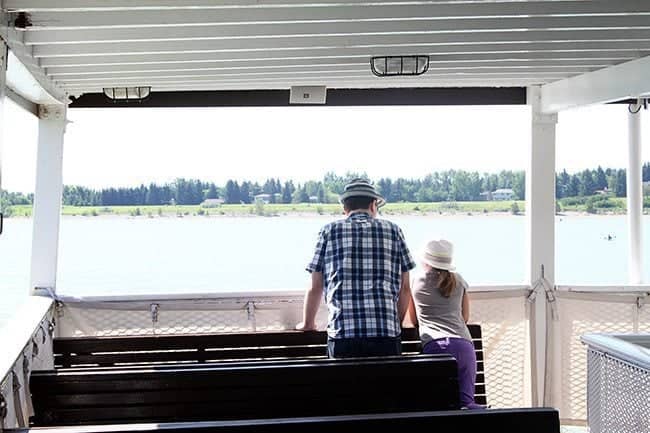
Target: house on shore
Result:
[212, 202]
[605, 191]
[485, 196]
[503, 194]
[267, 198]
[262, 198]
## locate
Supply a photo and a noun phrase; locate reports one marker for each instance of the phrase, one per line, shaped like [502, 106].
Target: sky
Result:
[126, 147]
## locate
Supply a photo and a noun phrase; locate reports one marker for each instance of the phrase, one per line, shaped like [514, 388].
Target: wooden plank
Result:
[100, 350]
[194, 355]
[210, 375]
[122, 351]
[211, 348]
[537, 420]
[177, 342]
[223, 391]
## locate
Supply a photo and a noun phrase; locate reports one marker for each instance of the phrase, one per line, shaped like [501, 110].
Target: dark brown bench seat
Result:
[244, 390]
[534, 420]
[196, 349]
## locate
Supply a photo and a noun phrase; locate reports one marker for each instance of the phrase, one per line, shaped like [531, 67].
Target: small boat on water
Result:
[136, 363]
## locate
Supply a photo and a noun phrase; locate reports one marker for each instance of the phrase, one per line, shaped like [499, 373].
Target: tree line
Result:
[449, 185]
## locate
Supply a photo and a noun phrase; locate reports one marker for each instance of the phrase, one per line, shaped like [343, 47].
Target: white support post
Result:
[3, 76]
[540, 215]
[47, 196]
[635, 196]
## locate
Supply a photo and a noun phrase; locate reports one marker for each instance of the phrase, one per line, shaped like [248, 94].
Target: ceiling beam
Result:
[623, 81]
[331, 84]
[27, 79]
[129, 5]
[563, 70]
[311, 75]
[132, 70]
[534, 50]
[22, 102]
[351, 12]
[134, 34]
[342, 97]
[566, 38]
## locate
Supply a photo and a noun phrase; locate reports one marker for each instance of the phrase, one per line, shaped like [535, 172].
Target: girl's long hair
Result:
[446, 282]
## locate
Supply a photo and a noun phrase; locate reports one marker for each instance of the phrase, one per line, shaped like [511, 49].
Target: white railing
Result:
[503, 312]
[618, 383]
[26, 346]
[578, 310]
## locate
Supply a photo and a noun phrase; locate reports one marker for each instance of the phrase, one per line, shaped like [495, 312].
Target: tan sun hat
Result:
[439, 254]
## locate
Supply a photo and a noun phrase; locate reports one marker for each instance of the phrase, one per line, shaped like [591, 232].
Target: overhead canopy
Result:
[198, 45]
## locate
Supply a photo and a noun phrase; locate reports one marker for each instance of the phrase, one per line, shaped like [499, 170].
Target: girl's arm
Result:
[465, 306]
[410, 319]
[404, 296]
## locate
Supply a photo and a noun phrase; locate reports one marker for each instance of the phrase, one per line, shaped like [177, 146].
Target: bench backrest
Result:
[139, 351]
[290, 388]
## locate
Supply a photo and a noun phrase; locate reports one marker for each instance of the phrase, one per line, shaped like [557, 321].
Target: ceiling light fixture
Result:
[388, 66]
[127, 93]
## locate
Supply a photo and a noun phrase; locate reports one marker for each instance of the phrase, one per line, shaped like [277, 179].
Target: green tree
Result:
[287, 192]
[245, 192]
[321, 193]
[300, 195]
[232, 194]
[460, 186]
[562, 184]
[384, 187]
[519, 185]
[587, 186]
[514, 208]
[621, 183]
[212, 192]
[601, 179]
[574, 186]
[590, 207]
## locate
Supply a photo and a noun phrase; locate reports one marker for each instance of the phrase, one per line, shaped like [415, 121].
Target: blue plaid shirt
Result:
[362, 260]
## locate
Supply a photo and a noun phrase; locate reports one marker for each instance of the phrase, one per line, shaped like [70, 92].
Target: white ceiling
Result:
[83, 46]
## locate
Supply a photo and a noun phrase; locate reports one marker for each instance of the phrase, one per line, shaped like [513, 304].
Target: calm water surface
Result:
[111, 256]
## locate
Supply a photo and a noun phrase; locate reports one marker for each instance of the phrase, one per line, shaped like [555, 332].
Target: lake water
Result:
[119, 255]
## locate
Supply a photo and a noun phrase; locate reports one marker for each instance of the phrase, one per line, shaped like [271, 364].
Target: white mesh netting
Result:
[619, 395]
[502, 315]
[506, 343]
[182, 316]
[644, 315]
[578, 314]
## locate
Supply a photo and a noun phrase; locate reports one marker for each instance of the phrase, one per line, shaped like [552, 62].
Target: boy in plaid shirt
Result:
[361, 265]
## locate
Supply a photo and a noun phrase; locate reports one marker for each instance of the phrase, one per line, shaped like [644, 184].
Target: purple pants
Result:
[463, 351]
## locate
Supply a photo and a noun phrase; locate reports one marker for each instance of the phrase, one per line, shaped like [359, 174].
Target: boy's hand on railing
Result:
[302, 326]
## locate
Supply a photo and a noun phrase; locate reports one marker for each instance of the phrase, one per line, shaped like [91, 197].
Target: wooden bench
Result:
[266, 389]
[197, 349]
[537, 420]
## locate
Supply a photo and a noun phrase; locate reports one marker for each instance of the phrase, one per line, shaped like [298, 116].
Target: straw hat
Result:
[438, 254]
[361, 188]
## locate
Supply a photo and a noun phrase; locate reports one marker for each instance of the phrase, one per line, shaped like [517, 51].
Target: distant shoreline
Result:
[311, 209]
